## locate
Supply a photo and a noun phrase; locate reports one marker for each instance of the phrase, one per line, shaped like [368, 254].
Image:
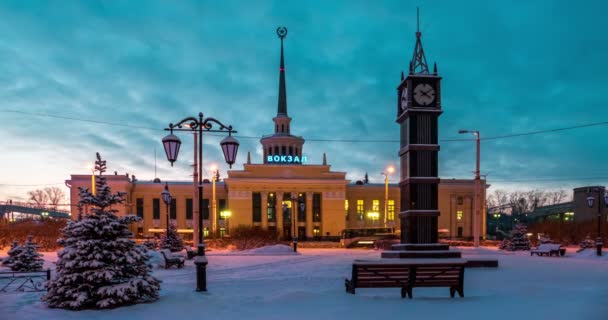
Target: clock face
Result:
[424, 94]
[403, 102]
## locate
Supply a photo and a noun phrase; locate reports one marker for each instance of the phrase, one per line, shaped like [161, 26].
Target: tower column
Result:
[279, 211]
[264, 196]
[309, 224]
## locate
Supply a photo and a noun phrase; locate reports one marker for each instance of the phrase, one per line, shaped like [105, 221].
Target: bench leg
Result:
[350, 287]
[409, 292]
[452, 291]
[403, 293]
[460, 292]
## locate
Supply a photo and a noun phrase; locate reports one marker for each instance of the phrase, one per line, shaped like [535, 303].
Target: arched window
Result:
[291, 151]
[282, 128]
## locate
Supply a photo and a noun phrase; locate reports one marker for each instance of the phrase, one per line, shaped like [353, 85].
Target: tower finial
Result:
[418, 63]
[282, 106]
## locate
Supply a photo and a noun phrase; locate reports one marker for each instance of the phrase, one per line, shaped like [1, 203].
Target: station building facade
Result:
[283, 192]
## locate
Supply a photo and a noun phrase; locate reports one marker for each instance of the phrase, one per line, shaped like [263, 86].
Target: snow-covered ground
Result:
[265, 284]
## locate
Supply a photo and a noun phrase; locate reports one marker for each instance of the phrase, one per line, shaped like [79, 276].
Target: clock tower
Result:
[418, 111]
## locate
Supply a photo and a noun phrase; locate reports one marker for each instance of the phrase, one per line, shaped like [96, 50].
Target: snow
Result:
[310, 285]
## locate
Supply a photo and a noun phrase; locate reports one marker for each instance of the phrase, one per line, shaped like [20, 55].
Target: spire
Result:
[248, 157]
[402, 77]
[324, 159]
[282, 107]
[418, 63]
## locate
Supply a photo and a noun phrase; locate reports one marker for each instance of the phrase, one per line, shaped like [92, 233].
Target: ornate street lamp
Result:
[172, 144]
[167, 200]
[476, 205]
[389, 171]
[590, 201]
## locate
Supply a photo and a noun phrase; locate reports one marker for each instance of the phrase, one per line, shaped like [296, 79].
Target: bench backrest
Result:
[438, 275]
[380, 274]
[166, 254]
[545, 247]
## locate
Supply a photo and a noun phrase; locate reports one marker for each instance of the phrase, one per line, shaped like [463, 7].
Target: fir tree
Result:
[587, 243]
[28, 258]
[12, 253]
[171, 240]
[519, 239]
[100, 265]
[505, 244]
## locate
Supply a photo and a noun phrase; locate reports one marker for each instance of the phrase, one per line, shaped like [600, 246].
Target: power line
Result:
[30, 185]
[549, 179]
[318, 140]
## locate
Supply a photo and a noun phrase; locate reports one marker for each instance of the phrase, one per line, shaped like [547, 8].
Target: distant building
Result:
[577, 210]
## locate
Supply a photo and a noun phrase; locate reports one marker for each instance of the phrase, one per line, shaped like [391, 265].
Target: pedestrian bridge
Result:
[25, 208]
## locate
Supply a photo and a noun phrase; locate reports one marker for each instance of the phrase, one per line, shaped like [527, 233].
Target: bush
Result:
[46, 232]
[248, 237]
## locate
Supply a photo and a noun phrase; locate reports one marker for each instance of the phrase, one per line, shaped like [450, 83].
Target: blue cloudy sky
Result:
[508, 68]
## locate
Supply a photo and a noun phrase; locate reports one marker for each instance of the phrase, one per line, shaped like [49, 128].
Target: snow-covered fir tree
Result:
[28, 258]
[12, 253]
[519, 238]
[505, 244]
[100, 265]
[171, 240]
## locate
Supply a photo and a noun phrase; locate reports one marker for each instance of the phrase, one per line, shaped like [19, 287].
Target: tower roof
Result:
[282, 105]
[418, 63]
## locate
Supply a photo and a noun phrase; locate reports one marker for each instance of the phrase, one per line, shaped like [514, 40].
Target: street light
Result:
[590, 200]
[172, 145]
[91, 167]
[294, 237]
[226, 214]
[389, 171]
[477, 186]
[167, 200]
[213, 203]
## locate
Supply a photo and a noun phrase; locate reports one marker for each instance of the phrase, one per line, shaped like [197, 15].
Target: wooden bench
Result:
[408, 274]
[548, 249]
[172, 260]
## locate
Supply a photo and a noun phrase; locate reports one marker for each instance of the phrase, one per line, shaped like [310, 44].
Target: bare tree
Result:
[497, 199]
[55, 196]
[39, 197]
[558, 196]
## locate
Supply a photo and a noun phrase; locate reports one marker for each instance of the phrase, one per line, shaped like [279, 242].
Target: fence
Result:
[24, 281]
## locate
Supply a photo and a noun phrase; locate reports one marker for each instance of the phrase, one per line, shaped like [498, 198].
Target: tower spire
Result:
[418, 63]
[282, 106]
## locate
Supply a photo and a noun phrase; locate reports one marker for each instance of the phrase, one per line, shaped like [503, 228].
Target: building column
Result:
[264, 196]
[309, 225]
[279, 210]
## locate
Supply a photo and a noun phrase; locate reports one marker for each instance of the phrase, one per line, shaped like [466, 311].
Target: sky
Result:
[68, 67]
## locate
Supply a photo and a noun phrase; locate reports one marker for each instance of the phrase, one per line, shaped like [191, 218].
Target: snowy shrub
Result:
[100, 265]
[28, 258]
[505, 244]
[248, 237]
[519, 238]
[587, 243]
[171, 240]
[12, 253]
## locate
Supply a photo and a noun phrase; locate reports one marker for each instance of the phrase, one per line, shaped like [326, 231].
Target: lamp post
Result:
[477, 186]
[167, 200]
[214, 229]
[389, 171]
[92, 168]
[229, 146]
[590, 200]
[294, 237]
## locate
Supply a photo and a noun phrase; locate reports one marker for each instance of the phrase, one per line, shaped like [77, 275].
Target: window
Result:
[189, 209]
[283, 150]
[222, 232]
[140, 207]
[360, 210]
[272, 207]
[459, 201]
[376, 205]
[346, 209]
[206, 232]
[205, 209]
[301, 207]
[221, 207]
[257, 207]
[316, 207]
[156, 208]
[459, 215]
[173, 209]
[391, 209]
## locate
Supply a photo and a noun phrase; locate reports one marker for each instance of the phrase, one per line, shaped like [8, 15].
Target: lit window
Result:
[346, 209]
[391, 209]
[316, 231]
[360, 210]
[206, 232]
[375, 205]
[458, 215]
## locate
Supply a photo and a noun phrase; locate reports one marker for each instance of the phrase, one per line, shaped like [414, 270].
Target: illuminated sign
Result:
[287, 159]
